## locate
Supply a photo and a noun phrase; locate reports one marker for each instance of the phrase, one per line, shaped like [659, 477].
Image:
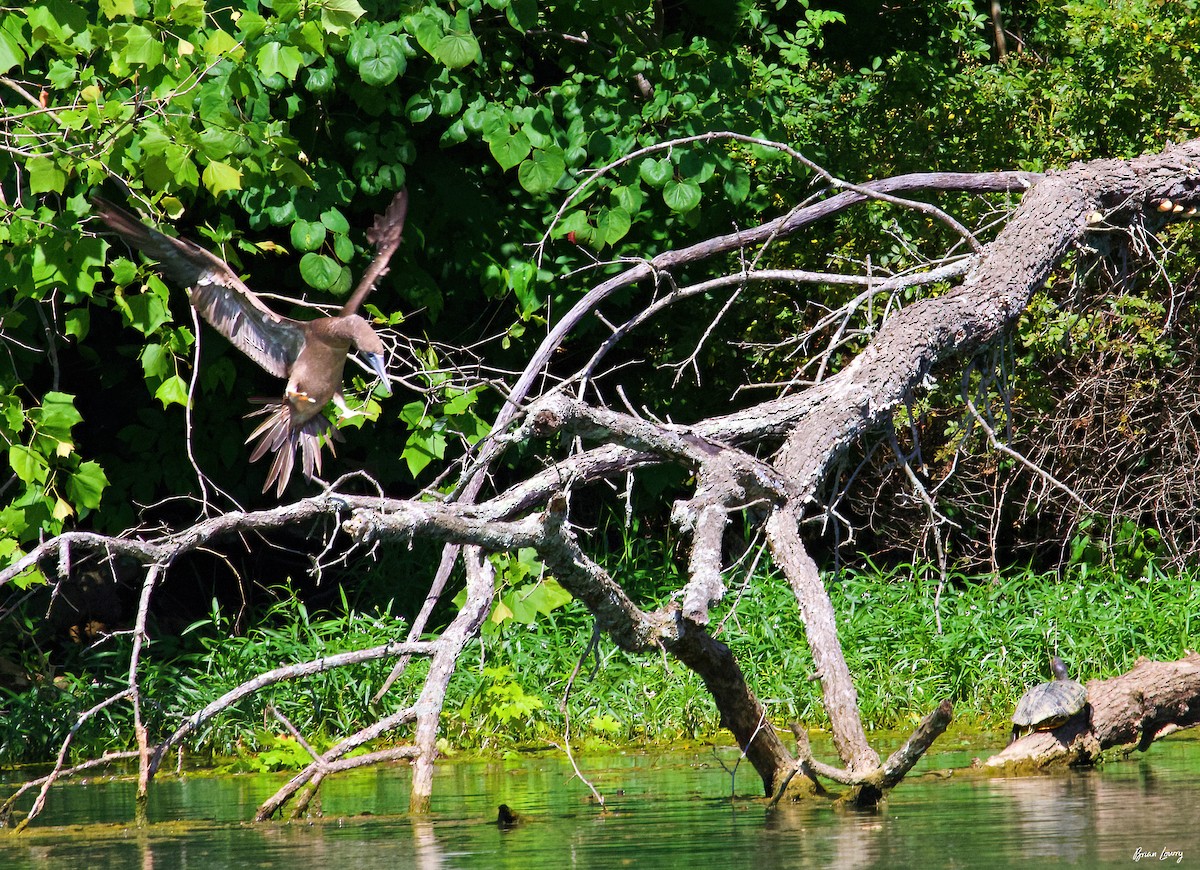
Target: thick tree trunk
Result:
[740, 709]
[820, 626]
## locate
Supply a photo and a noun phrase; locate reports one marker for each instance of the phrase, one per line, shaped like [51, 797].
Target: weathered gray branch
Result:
[816, 427]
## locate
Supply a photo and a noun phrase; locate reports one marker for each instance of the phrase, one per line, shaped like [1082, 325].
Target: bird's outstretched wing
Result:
[385, 235]
[219, 295]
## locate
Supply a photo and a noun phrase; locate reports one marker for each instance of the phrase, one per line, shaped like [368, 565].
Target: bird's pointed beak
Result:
[377, 363]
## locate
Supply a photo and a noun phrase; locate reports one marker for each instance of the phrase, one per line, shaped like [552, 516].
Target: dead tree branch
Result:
[772, 461]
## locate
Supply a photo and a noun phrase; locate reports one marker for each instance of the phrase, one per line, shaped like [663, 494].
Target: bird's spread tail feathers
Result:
[275, 434]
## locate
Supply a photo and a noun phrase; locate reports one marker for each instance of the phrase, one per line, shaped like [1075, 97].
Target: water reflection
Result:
[664, 811]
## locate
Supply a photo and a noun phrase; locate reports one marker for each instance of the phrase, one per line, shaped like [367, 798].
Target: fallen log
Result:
[1124, 713]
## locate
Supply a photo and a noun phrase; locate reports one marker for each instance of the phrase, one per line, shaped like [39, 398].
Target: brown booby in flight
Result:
[310, 354]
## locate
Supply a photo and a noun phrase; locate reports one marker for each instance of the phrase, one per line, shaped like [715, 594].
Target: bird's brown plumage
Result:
[310, 354]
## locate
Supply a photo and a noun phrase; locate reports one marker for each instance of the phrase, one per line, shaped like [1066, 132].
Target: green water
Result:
[665, 810]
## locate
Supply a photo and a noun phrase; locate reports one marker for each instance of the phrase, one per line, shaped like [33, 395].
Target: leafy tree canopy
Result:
[272, 130]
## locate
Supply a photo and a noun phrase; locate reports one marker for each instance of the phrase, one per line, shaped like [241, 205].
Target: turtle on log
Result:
[1049, 705]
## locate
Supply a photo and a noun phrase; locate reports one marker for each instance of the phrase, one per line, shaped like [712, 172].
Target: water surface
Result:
[664, 810]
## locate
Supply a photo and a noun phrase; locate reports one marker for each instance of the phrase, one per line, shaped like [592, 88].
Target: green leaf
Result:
[77, 323]
[114, 8]
[217, 144]
[56, 22]
[220, 177]
[460, 403]
[522, 14]
[189, 13]
[157, 361]
[123, 271]
[11, 53]
[338, 15]
[146, 312]
[141, 47]
[57, 414]
[541, 171]
[45, 176]
[319, 271]
[29, 466]
[656, 173]
[86, 485]
[737, 185]
[413, 414]
[613, 225]
[508, 148]
[221, 44]
[378, 71]
[335, 221]
[319, 80]
[522, 280]
[286, 10]
[458, 48]
[251, 25]
[428, 31]
[343, 248]
[575, 223]
[285, 60]
[423, 447]
[629, 198]
[547, 596]
[681, 196]
[172, 391]
[307, 235]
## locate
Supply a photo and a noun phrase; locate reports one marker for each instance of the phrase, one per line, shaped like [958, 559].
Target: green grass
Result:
[992, 644]
[994, 639]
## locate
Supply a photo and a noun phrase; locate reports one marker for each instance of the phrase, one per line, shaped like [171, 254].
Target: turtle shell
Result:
[1049, 705]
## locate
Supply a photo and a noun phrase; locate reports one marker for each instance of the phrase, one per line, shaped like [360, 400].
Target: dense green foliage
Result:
[272, 131]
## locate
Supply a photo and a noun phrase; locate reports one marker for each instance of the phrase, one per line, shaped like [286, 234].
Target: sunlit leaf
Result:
[86, 485]
[285, 60]
[319, 271]
[142, 47]
[681, 196]
[613, 225]
[458, 48]
[172, 391]
[10, 52]
[220, 177]
[509, 149]
[541, 171]
[501, 612]
[307, 235]
[45, 176]
[338, 15]
[111, 9]
[57, 414]
[27, 465]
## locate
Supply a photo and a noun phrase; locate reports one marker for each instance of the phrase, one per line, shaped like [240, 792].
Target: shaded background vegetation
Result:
[273, 131]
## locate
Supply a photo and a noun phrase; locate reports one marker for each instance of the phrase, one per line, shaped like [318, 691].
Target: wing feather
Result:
[219, 295]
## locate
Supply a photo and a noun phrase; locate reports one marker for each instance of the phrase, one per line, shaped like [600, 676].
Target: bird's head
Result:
[370, 345]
